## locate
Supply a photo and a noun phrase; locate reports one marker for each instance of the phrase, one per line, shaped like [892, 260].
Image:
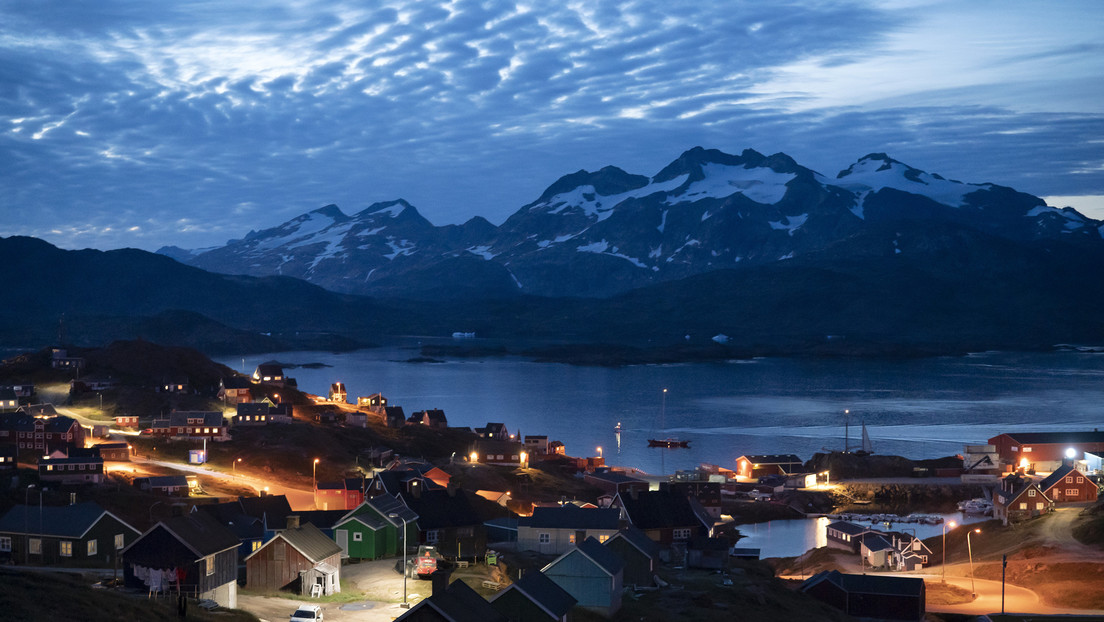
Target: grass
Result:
[938, 593]
[348, 594]
[32, 596]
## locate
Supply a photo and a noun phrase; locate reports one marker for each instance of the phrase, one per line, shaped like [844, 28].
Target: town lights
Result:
[1071, 453]
[599, 452]
[474, 457]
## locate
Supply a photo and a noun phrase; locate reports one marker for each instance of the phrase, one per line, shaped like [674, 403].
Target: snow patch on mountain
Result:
[872, 174]
[760, 184]
[402, 247]
[603, 248]
[483, 251]
[791, 224]
[587, 199]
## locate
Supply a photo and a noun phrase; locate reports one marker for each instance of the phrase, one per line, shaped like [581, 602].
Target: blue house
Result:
[592, 574]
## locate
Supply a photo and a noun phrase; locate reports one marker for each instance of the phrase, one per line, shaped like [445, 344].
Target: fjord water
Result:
[918, 408]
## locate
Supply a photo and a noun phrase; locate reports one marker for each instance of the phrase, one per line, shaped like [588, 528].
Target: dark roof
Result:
[848, 528]
[600, 555]
[612, 477]
[323, 519]
[159, 481]
[438, 509]
[868, 584]
[308, 540]
[253, 408]
[458, 603]
[236, 382]
[1056, 477]
[638, 539]
[573, 517]
[773, 459]
[273, 509]
[545, 593]
[69, 521]
[876, 541]
[660, 509]
[200, 532]
[179, 418]
[389, 504]
[1056, 438]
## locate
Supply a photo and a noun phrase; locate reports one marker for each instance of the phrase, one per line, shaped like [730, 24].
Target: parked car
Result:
[307, 613]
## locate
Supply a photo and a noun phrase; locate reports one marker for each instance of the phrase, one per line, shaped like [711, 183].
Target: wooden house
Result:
[536, 444]
[452, 520]
[175, 384]
[269, 373]
[40, 435]
[534, 597]
[845, 535]
[1045, 451]
[592, 574]
[639, 553]
[83, 469]
[342, 494]
[756, 466]
[394, 417]
[82, 534]
[1067, 484]
[171, 485]
[253, 413]
[117, 451]
[375, 402]
[614, 482]
[299, 558]
[1019, 498]
[235, 390]
[502, 453]
[664, 516]
[554, 530]
[494, 431]
[455, 603]
[434, 418]
[126, 421]
[8, 399]
[375, 528]
[192, 553]
[8, 458]
[869, 596]
[190, 424]
[338, 393]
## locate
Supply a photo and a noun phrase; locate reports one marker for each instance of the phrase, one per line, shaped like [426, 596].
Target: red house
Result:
[1046, 451]
[1019, 498]
[754, 467]
[344, 494]
[1068, 485]
[191, 424]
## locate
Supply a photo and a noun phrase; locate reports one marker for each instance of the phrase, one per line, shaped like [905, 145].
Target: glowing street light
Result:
[235, 464]
[599, 452]
[314, 475]
[970, 550]
[474, 457]
[944, 564]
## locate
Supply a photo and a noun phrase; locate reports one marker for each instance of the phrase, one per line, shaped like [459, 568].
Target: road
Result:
[299, 498]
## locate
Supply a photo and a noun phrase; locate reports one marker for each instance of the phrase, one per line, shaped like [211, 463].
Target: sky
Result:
[128, 123]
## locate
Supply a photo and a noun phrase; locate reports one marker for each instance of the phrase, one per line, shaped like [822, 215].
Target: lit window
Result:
[93, 547]
[65, 548]
[120, 541]
[1023, 506]
[1027, 449]
[602, 538]
[256, 544]
[209, 564]
[571, 538]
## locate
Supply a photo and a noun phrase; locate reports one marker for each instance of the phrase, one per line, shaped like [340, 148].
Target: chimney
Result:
[293, 521]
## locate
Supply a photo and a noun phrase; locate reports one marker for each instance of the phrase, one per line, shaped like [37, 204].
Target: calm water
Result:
[918, 408]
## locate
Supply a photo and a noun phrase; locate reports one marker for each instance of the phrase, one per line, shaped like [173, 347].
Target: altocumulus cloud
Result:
[143, 124]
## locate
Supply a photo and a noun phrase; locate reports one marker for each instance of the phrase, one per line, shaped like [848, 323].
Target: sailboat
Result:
[867, 447]
[669, 443]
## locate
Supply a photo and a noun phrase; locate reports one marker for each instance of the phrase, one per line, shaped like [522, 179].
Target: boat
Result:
[670, 443]
[980, 506]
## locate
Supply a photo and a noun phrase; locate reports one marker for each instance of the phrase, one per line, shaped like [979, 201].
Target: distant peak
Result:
[606, 181]
[387, 208]
[877, 162]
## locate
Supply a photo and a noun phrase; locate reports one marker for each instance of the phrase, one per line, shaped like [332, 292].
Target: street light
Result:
[404, 604]
[314, 475]
[970, 550]
[235, 464]
[944, 564]
[599, 452]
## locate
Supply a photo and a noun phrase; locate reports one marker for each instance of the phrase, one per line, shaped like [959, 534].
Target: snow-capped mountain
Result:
[604, 232]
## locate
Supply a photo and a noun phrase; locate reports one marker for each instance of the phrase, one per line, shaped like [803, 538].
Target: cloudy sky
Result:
[136, 123]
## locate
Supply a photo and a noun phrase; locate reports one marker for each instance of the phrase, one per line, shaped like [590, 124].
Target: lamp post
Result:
[404, 604]
[235, 464]
[944, 564]
[599, 452]
[970, 551]
[314, 475]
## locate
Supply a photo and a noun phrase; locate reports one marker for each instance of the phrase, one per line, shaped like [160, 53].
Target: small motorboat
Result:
[669, 443]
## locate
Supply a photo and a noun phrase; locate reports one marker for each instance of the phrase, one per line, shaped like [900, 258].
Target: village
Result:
[255, 496]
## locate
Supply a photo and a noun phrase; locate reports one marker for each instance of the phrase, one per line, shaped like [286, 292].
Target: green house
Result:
[374, 528]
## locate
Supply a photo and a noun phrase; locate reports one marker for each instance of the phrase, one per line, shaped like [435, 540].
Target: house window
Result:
[5, 544]
[1071, 492]
[358, 537]
[432, 536]
[35, 546]
[93, 547]
[545, 538]
[1031, 493]
[1027, 450]
[209, 564]
[1069, 479]
[602, 538]
[1023, 506]
[256, 545]
[571, 538]
[681, 534]
[1038, 506]
[1080, 480]
[65, 548]
[120, 541]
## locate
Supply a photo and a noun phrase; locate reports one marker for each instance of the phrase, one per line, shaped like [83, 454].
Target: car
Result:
[307, 613]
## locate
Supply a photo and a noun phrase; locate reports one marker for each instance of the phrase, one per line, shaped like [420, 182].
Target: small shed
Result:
[300, 558]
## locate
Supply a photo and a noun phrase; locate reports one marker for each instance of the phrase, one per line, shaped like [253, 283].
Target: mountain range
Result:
[603, 233]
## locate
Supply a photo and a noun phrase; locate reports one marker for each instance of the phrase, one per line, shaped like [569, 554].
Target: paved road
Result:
[298, 498]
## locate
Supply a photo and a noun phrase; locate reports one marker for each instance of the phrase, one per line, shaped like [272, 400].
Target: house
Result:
[376, 528]
[271, 510]
[1069, 485]
[8, 399]
[456, 603]
[536, 444]
[235, 390]
[41, 435]
[434, 418]
[174, 384]
[8, 457]
[117, 451]
[452, 520]
[60, 359]
[375, 402]
[337, 393]
[300, 558]
[614, 482]
[249, 530]
[190, 424]
[1019, 498]
[592, 574]
[398, 482]
[869, 596]
[253, 413]
[126, 421]
[343, 494]
[192, 553]
[82, 534]
[664, 516]
[707, 493]
[554, 530]
[754, 467]
[93, 384]
[980, 464]
[639, 553]
[375, 456]
[494, 431]
[171, 485]
[71, 470]
[878, 551]
[394, 417]
[534, 597]
[845, 535]
[503, 453]
[269, 373]
[1045, 451]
